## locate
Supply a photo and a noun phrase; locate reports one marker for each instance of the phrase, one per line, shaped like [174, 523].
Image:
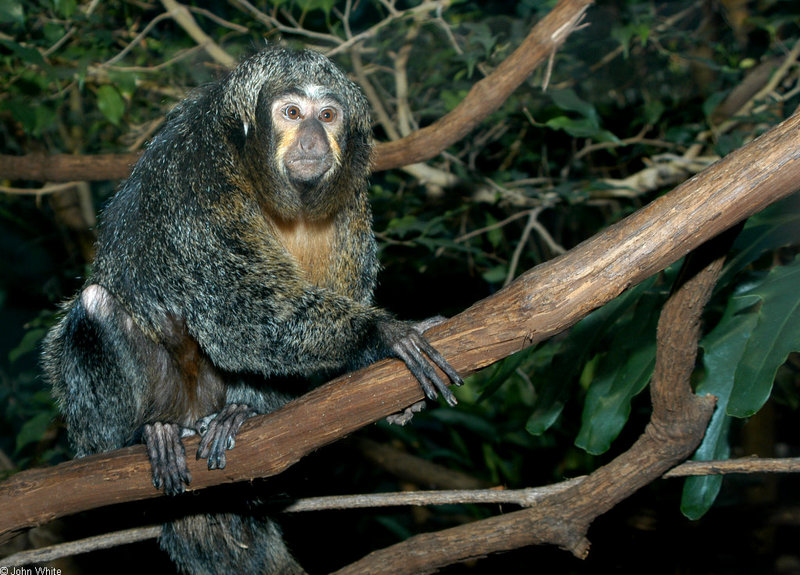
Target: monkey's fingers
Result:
[415, 367]
[421, 344]
[441, 362]
[167, 457]
[410, 350]
[407, 414]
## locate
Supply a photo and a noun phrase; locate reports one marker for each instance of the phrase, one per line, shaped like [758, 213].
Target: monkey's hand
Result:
[405, 340]
[219, 432]
[167, 456]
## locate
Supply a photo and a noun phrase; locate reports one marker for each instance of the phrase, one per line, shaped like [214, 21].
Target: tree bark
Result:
[536, 306]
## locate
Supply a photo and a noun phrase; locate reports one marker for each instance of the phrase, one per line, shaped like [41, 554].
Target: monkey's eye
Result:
[292, 112]
[327, 115]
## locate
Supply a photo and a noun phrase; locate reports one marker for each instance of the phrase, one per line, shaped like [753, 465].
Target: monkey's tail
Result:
[226, 543]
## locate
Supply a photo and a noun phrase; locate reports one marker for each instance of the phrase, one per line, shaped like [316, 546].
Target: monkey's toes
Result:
[167, 457]
[219, 433]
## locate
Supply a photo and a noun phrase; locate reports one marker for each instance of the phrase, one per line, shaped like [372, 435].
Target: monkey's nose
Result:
[312, 136]
[308, 142]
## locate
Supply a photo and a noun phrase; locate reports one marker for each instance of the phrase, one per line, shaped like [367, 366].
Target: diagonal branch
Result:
[489, 94]
[185, 20]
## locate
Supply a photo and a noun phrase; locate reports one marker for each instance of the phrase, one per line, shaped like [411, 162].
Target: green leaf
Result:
[403, 225]
[461, 418]
[643, 32]
[653, 110]
[124, 82]
[775, 336]
[66, 8]
[494, 235]
[451, 98]
[504, 369]
[324, 5]
[568, 100]
[11, 12]
[774, 227]
[722, 350]
[495, 275]
[623, 373]
[581, 128]
[33, 430]
[572, 354]
[34, 119]
[27, 55]
[110, 103]
[30, 342]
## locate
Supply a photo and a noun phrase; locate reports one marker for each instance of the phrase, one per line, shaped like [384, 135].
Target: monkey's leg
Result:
[92, 361]
[219, 433]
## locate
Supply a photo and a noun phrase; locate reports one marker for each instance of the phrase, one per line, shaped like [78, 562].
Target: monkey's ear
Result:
[239, 131]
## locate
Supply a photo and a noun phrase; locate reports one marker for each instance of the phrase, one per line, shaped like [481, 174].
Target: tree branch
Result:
[185, 20]
[487, 95]
[741, 465]
[484, 98]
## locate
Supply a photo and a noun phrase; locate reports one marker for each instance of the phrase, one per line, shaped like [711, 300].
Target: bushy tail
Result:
[228, 543]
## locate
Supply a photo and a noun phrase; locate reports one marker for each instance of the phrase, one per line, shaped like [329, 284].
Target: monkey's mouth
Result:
[306, 168]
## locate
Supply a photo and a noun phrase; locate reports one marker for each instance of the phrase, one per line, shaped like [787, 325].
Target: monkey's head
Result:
[303, 131]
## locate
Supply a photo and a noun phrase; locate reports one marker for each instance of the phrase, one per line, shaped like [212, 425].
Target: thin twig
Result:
[44, 190]
[138, 38]
[183, 17]
[523, 497]
[526, 232]
[742, 465]
[105, 541]
[491, 227]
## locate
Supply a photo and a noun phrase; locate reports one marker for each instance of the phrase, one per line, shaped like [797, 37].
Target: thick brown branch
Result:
[66, 167]
[484, 98]
[539, 304]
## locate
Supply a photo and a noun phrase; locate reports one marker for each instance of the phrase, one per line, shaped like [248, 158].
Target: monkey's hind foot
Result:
[167, 456]
[219, 432]
[403, 417]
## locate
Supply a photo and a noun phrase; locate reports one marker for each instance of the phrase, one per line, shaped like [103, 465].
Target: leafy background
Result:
[636, 102]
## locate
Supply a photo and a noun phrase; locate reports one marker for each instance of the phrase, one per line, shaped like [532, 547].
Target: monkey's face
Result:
[302, 131]
[308, 129]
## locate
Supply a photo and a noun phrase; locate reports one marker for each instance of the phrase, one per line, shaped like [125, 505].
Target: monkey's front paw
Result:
[167, 457]
[219, 433]
[408, 343]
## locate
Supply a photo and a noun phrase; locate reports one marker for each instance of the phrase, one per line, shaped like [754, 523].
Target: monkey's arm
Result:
[279, 324]
[318, 333]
